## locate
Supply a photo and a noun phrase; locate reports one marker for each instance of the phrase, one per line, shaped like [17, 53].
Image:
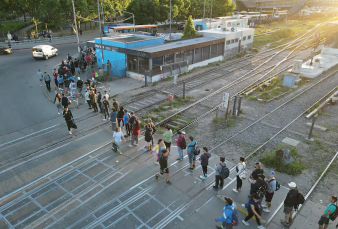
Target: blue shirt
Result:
[125, 118]
[330, 207]
[191, 146]
[113, 116]
[60, 79]
[227, 213]
[255, 204]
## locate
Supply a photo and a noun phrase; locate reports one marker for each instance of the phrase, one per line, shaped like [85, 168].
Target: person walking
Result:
[132, 119]
[289, 203]
[79, 85]
[109, 67]
[167, 136]
[55, 75]
[135, 133]
[98, 100]
[39, 74]
[64, 101]
[117, 136]
[259, 187]
[227, 215]
[163, 161]
[158, 149]
[126, 118]
[181, 145]
[84, 90]
[330, 209]
[271, 188]
[57, 102]
[60, 81]
[93, 101]
[76, 65]
[241, 173]
[218, 169]
[113, 118]
[253, 208]
[105, 107]
[191, 154]
[150, 130]
[46, 78]
[120, 115]
[204, 159]
[72, 88]
[116, 104]
[87, 97]
[67, 114]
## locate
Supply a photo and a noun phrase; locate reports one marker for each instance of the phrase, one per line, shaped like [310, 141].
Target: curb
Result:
[50, 44]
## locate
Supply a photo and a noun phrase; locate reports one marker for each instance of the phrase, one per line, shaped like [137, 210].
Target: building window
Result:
[236, 40]
[168, 59]
[249, 37]
[232, 41]
[228, 42]
[188, 56]
[179, 56]
[132, 63]
[198, 55]
[244, 38]
[144, 65]
[206, 51]
[213, 51]
[157, 62]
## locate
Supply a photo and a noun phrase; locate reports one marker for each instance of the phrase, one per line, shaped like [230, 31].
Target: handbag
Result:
[73, 125]
[114, 147]
[243, 175]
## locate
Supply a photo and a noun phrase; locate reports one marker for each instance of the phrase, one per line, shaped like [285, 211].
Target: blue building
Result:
[115, 46]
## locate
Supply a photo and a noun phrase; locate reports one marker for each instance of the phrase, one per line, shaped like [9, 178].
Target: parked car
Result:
[180, 27]
[44, 51]
[5, 50]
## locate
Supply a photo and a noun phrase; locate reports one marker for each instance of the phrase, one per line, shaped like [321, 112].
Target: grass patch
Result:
[293, 168]
[13, 26]
[154, 84]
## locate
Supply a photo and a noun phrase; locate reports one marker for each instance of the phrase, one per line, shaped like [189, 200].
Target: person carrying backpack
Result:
[241, 174]
[330, 212]
[291, 201]
[204, 159]
[218, 170]
[191, 153]
[181, 145]
[270, 191]
[253, 208]
[259, 187]
[126, 118]
[230, 215]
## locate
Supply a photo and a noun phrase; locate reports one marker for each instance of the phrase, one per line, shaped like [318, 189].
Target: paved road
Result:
[27, 105]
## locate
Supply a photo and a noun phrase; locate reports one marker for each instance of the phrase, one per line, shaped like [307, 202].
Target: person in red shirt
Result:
[181, 145]
[135, 133]
[88, 59]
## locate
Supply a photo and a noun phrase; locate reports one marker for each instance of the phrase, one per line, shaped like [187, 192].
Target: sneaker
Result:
[168, 182]
[104, 119]
[266, 209]
[130, 146]
[59, 113]
[156, 162]
[206, 175]
[264, 206]
[235, 190]
[156, 177]
[215, 187]
[120, 153]
[178, 159]
[261, 227]
[285, 223]
[70, 132]
[245, 223]
[135, 144]
[243, 205]
[202, 177]
[191, 169]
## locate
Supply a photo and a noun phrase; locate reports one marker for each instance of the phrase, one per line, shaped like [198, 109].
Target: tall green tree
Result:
[145, 11]
[222, 8]
[189, 29]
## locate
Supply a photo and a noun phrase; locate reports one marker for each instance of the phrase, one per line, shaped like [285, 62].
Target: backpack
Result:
[224, 172]
[235, 217]
[277, 184]
[261, 191]
[183, 143]
[299, 199]
[197, 150]
[334, 214]
[128, 117]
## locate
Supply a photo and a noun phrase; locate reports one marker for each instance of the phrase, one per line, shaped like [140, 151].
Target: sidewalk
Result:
[87, 35]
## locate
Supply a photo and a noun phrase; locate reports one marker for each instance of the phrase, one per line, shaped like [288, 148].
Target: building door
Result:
[198, 27]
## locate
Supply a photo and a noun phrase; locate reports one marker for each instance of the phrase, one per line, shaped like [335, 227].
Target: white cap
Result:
[292, 185]
[78, 78]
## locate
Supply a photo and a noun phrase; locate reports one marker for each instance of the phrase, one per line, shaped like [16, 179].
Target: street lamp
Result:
[77, 34]
[170, 23]
[98, 11]
[128, 13]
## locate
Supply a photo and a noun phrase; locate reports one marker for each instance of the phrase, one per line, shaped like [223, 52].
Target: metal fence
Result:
[174, 68]
[39, 40]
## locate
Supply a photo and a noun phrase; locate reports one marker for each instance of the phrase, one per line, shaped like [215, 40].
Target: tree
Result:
[189, 29]
[145, 11]
[222, 8]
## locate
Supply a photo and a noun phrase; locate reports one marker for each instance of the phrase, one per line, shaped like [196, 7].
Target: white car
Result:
[44, 51]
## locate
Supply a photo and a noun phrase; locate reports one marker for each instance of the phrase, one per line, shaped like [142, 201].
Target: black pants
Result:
[252, 214]
[48, 85]
[127, 129]
[218, 179]
[95, 107]
[239, 183]
[107, 110]
[100, 106]
[56, 82]
[69, 123]
[60, 85]
[205, 169]
[89, 103]
[119, 122]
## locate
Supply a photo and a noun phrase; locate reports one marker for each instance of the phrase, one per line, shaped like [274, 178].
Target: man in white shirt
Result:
[40, 76]
[117, 139]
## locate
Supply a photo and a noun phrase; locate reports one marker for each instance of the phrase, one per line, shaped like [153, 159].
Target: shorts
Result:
[287, 210]
[118, 145]
[167, 144]
[77, 69]
[192, 157]
[323, 220]
[268, 196]
[166, 171]
[147, 143]
[40, 80]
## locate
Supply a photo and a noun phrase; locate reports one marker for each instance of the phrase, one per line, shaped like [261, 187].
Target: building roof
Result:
[220, 31]
[127, 37]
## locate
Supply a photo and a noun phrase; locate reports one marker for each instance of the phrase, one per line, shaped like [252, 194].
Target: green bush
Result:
[293, 168]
